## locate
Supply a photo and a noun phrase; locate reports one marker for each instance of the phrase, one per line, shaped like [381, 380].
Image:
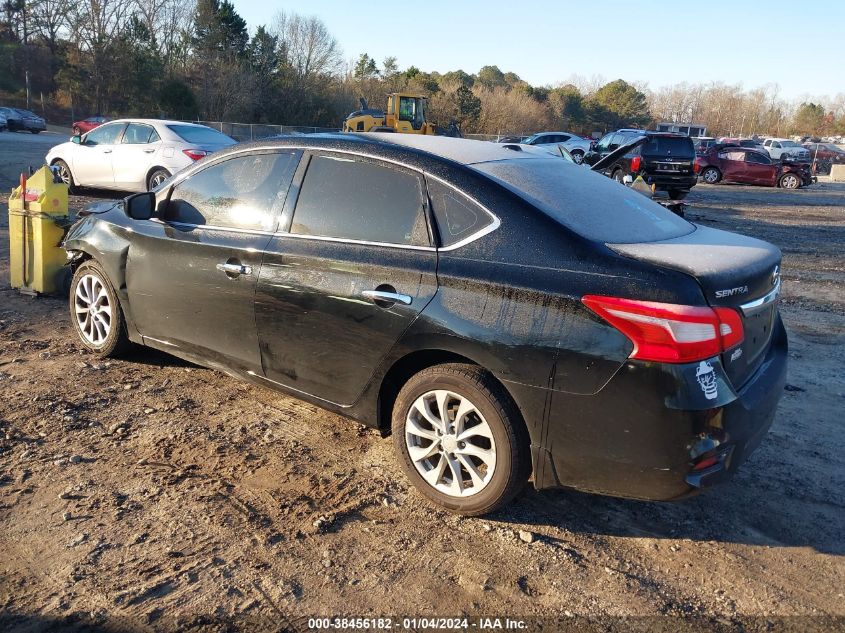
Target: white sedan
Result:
[133, 154]
[574, 144]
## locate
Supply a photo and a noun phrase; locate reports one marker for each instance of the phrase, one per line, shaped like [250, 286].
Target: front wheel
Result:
[711, 175]
[460, 439]
[65, 175]
[76, 131]
[95, 312]
[35, 131]
[577, 156]
[790, 181]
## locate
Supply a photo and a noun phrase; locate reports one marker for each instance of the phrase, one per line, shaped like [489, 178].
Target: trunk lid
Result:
[733, 271]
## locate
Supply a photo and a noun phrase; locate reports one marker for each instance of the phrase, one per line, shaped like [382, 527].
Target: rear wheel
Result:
[460, 439]
[790, 181]
[618, 176]
[711, 175]
[95, 311]
[157, 177]
[35, 131]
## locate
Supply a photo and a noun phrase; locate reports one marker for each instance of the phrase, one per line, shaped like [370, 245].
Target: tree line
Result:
[198, 60]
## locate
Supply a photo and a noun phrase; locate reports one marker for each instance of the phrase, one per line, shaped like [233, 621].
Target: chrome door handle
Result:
[148, 151]
[234, 269]
[106, 151]
[392, 297]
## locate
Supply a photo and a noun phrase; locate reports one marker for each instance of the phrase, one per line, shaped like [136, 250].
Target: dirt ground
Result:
[149, 494]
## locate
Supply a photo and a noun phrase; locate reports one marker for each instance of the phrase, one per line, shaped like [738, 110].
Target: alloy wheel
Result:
[450, 443]
[157, 179]
[710, 176]
[578, 157]
[64, 173]
[789, 182]
[93, 310]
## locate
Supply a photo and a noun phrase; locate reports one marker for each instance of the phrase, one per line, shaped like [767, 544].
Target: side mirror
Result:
[76, 138]
[140, 206]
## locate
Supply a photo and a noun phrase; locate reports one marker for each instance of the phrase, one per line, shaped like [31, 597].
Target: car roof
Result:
[457, 150]
[157, 121]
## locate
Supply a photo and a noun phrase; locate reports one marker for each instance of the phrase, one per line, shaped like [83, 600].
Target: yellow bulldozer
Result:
[405, 113]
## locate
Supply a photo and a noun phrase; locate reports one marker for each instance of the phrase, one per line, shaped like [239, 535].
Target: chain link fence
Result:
[256, 131]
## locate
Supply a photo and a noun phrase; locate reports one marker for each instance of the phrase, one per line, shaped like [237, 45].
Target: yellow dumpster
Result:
[38, 218]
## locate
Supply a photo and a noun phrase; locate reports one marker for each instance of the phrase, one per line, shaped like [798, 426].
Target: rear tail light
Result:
[696, 166]
[636, 163]
[706, 463]
[195, 154]
[667, 332]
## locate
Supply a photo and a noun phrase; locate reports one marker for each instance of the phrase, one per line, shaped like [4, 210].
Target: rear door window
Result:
[138, 134]
[245, 192]
[457, 216]
[359, 199]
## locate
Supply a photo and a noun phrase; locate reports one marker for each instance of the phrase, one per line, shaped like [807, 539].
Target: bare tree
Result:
[306, 45]
[50, 20]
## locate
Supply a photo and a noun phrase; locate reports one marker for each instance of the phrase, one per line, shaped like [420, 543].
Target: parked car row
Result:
[17, 119]
[673, 163]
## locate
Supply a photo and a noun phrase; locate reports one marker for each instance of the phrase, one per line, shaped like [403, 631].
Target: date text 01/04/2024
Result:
[416, 623]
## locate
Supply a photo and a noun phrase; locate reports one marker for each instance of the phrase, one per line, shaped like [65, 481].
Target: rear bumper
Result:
[643, 434]
[664, 181]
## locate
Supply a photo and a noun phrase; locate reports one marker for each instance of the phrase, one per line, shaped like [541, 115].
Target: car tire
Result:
[677, 194]
[95, 312]
[156, 177]
[619, 176]
[76, 131]
[496, 447]
[790, 181]
[577, 156]
[711, 175]
[66, 175]
[36, 131]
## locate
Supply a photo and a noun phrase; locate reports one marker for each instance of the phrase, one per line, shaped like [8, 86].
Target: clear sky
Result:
[797, 44]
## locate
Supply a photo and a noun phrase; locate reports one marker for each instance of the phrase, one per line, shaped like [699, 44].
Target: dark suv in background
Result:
[665, 161]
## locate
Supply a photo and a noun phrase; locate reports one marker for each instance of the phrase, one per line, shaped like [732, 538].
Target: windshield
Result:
[590, 204]
[789, 144]
[26, 113]
[200, 134]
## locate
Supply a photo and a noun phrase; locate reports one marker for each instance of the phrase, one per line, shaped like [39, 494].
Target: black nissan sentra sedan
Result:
[503, 312]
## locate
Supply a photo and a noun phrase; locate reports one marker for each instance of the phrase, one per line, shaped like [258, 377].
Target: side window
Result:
[732, 156]
[563, 138]
[775, 144]
[759, 159]
[105, 134]
[604, 143]
[614, 142]
[154, 137]
[137, 134]
[241, 193]
[360, 200]
[457, 216]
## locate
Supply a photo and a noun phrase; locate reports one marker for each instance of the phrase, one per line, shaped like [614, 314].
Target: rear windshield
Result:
[200, 134]
[668, 146]
[590, 204]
